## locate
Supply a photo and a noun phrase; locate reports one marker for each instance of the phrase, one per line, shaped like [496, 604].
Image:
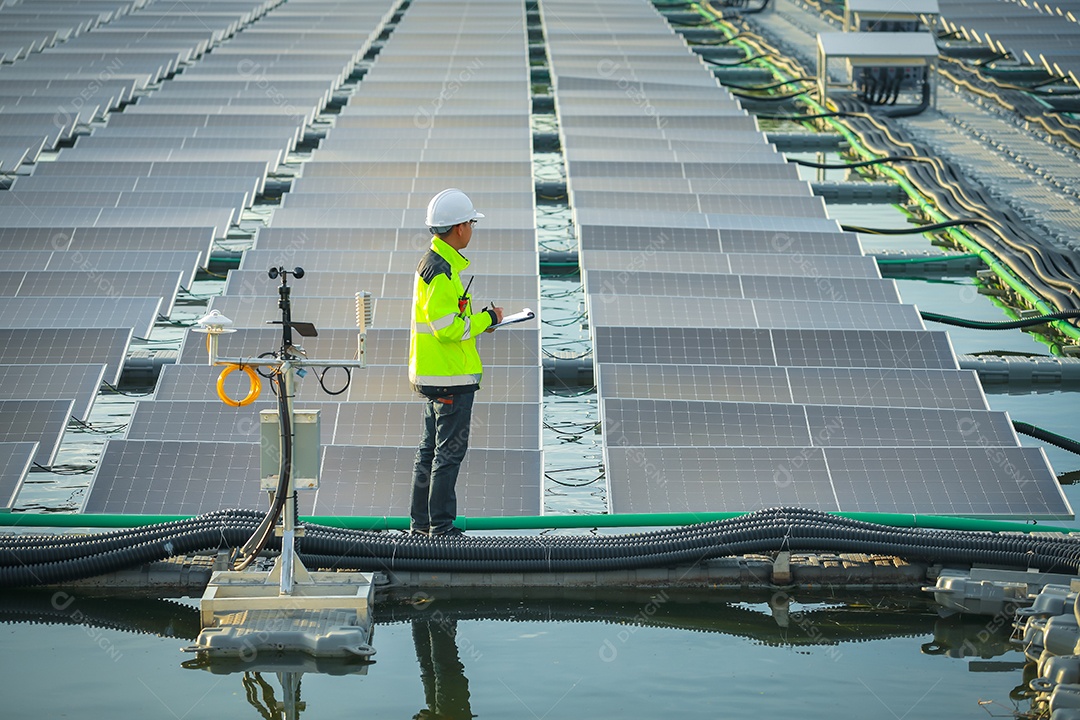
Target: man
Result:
[444, 366]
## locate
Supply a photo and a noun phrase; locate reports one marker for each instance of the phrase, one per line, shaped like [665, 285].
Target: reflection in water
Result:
[446, 689]
[260, 695]
[271, 681]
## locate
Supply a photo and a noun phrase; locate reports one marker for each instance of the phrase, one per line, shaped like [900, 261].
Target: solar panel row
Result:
[105, 234]
[747, 353]
[354, 220]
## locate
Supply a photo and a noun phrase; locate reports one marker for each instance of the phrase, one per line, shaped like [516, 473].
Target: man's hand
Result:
[498, 318]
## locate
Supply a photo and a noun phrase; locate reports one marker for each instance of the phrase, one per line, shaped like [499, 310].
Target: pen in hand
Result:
[497, 311]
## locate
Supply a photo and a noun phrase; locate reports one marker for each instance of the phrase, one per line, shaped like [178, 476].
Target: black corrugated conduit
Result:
[1049, 272]
[1001, 324]
[1046, 436]
[33, 561]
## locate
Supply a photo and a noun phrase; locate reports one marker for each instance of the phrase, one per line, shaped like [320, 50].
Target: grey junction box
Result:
[305, 466]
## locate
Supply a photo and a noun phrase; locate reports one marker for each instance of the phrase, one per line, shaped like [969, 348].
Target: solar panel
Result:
[170, 477]
[789, 206]
[694, 346]
[660, 261]
[50, 382]
[633, 422]
[67, 345]
[905, 427]
[40, 421]
[701, 479]
[638, 423]
[697, 285]
[776, 223]
[699, 240]
[151, 168]
[9, 284]
[52, 239]
[102, 283]
[799, 348]
[62, 312]
[789, 243]
[385, 383]
[15, 460]
[836, 314]
[356, 198]
[249, 187]
[418, 170]
[94, 262]
[973, 482]
[640, 310]
[383, 347]
[968, 481]
[84, 218]
[862, 348]
[329, 313]
[604, 285]
[762, 170]
[494, 425]
[377, 481]
[891, 387]
[254, 283]
[814, 266]
[496, 262]
[693, 382]
[840, 290]
[15, 261]
[214, 421]
[713, 124]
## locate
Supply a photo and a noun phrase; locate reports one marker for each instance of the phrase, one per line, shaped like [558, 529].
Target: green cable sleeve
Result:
[928, 259]
[534, 522]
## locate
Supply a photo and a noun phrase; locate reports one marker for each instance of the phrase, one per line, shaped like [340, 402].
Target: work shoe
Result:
[452, 532]
[419, 531]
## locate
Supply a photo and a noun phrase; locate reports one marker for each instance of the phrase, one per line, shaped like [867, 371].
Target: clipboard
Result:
[525, 314]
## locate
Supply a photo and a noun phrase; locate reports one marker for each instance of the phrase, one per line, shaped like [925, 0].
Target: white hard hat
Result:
[450, 207]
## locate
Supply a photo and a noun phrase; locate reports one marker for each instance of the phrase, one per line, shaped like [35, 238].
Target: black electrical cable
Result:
[767, 98]
[999, 325]
[809, 116]
[573, 485]
[118, 391]
[54, 471]
[856, 164]
[913, 230]
[1046, 436]
[718, 63]
[721, 41]
[261, 536]
[794, 529]
[348, 380]
[770, 86]
[742, 7]
[1048, 271]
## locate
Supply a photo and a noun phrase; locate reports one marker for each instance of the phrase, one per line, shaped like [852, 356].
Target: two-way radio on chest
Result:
[463, 301]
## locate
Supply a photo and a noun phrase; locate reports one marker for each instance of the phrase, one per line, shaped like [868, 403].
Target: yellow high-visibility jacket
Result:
[442, 343]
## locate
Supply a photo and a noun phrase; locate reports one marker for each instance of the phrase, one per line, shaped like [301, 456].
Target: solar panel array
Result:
[98, 241]
[747, 353]
[354, 220]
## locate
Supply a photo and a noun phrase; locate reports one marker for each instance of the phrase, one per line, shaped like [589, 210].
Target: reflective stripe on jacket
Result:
[442, 341]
